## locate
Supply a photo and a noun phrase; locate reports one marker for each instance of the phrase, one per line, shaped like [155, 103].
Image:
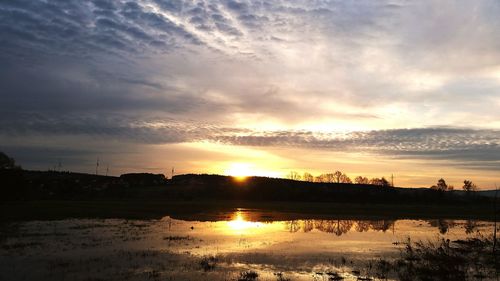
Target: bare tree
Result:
[318, 178]
[308, 177]
[327, 177]
[293, 175]
[361, 180]
[337, 176]
[345, 179]
[380, 181]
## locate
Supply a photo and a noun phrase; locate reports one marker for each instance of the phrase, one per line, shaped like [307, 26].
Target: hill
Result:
[33, 185]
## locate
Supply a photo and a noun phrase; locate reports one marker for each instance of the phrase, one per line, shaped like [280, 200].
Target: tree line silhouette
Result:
[441, 185]
[327, 187]
[340, 177]
[336, 177]
[7, 163]
[340, 226]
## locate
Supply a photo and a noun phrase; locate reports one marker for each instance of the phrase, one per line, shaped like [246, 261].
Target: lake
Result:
[235, 247]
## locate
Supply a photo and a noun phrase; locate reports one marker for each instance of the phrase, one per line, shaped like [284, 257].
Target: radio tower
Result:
[97, 167]
[172, 173]
[392, 180]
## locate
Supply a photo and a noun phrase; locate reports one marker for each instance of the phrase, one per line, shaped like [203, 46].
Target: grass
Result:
[208, 263]
[218, 210]
[470, 259]
[177, 238]
[248, 276]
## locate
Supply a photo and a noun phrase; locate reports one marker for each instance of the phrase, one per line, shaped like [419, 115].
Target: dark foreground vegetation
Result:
[469, 259]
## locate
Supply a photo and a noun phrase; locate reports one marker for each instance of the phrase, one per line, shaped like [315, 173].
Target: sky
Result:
[373, 88]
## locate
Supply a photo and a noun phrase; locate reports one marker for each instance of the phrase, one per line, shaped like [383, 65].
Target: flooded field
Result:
[237, 248]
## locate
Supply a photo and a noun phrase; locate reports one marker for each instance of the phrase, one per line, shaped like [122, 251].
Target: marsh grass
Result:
[281, 277]
[334, 276]
[470, 259]
[177, 238]
[248, 276]
[208, 263]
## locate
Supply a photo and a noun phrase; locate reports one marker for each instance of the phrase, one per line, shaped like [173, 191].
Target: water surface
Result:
[173, 249]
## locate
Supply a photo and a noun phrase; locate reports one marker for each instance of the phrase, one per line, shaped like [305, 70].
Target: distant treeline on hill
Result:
[193, 187]
[20, 184]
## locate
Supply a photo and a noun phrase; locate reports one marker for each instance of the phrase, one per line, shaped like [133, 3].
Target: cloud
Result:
[303, 68]
[353, 56]
[463, 147]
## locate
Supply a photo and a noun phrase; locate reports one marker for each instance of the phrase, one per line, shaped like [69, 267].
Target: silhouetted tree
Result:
[337, 176]
[441, 185]
[380, 181]
[361, 180]
[326, 178]
[293, 176]
[469, 186]
[345, 179]
[308, 177]
[7, 163]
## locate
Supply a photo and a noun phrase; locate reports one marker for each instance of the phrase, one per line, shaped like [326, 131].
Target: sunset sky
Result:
[373, 88]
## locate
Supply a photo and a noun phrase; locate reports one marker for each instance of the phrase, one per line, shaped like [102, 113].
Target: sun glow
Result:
[240, 171]
[239, 225]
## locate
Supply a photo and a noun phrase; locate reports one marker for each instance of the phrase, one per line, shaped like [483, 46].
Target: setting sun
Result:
[239, 171]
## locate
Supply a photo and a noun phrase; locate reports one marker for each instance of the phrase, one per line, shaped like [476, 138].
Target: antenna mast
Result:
[97, 167]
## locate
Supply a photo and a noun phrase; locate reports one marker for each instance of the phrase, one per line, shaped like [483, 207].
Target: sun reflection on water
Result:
[239, 225]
